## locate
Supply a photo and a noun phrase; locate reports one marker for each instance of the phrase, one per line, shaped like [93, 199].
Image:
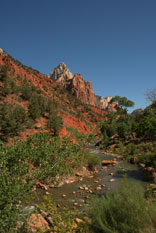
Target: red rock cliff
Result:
[82, 90]
[76, 84]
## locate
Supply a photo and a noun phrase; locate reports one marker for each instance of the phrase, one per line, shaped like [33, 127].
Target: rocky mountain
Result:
[137, 111]
[103, 102]
[34, 98]
[80, 88]
[74, 83]
[1, 51]
[60, 73]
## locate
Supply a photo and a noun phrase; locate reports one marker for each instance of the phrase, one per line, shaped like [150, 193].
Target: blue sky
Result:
[112, 43]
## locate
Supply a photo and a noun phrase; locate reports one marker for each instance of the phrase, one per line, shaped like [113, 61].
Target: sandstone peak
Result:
[60, 72]
[103, 102]
[1, 51]
[75, 84]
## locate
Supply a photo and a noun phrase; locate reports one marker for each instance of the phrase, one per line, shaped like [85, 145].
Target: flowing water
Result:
[107, 178]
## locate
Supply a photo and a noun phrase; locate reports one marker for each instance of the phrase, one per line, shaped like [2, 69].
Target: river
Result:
[71, 196]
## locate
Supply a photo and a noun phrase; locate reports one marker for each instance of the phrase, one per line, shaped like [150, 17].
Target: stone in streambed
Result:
[108, 162]
[112, 180]
[98, 188]
[111, 174]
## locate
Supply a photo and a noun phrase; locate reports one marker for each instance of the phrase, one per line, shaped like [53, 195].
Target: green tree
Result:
[3, 73]
[122, 102]
[55, 124]
[12, 120]
[14, 186]
[34, 107]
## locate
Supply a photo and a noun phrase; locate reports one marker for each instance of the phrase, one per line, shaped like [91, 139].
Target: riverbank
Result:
[79, 188]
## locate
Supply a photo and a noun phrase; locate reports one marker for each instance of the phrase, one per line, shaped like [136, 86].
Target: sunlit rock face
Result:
[1, 51]
[103, 102]
[60, 73]
[80, 88]
[74, 83]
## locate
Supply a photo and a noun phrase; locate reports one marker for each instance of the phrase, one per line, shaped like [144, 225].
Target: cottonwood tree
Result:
[151, 95]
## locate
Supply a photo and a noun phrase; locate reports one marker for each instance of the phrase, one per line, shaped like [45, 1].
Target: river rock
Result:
[75, 204]
[40, 185]
[98, 188]
[96, 181]
[112, 180]
[79, 174]
[108, 162]
[142, 165]
[64, 195]
[36, 223]
[134, 160]
[78, 220]
[111, 174]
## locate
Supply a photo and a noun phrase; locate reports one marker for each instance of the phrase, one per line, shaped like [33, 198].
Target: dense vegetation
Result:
[131, 135]
[40, 158]
[123, 211]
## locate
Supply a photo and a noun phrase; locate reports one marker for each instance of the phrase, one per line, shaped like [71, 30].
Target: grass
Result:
[123, 211]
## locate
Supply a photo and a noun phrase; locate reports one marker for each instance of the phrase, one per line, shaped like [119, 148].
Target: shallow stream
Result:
[108, 178]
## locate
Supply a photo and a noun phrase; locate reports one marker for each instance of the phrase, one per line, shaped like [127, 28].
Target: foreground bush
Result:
[55, 124]
[49, 157]
[63, 219]
[92, 160]
[123, 211]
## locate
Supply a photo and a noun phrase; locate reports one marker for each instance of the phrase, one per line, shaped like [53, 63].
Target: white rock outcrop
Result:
[103, 102]
[1, 51]
[60, 72]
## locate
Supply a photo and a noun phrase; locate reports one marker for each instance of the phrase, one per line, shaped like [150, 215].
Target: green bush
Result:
[81, 138]
[26, 92]
[55, 124]
[34, 108]
[14, 186]
[148, 158]
[12, 120]
[63, 220]
[131, 149]
[50, 156]
[3, 73]
[123, 211]
[92, 160]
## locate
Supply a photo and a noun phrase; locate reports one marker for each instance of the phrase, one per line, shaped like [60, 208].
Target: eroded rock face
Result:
[60, 73]
[105, 103]
[76, 84]
[82, 90]
[1, 51]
